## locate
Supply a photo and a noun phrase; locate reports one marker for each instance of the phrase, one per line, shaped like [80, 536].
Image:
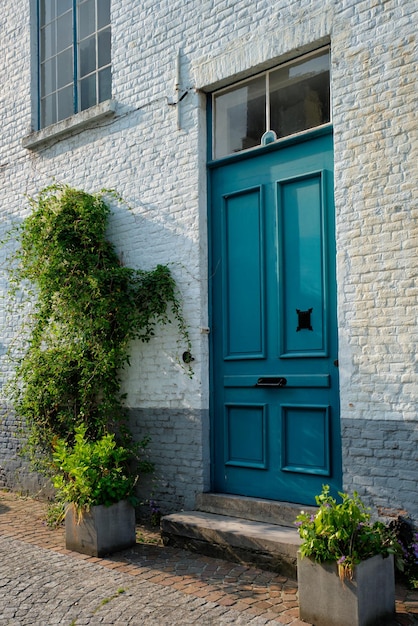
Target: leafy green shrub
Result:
[55, 514]
[86, 307]
[89, 473]
[343, 533]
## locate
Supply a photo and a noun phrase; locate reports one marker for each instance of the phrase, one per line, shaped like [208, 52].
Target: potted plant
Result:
[345, 564]
[93, 479]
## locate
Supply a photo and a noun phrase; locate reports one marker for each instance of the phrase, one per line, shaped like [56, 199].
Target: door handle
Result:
[276, 382]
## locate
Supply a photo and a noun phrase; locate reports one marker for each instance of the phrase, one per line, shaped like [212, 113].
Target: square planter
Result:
[368, 599]
[101, 530]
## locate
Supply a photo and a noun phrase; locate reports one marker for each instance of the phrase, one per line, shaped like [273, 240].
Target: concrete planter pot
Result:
[367, 600]
[101, 530]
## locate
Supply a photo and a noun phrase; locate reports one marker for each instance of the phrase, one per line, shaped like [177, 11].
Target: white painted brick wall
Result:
[160, 171]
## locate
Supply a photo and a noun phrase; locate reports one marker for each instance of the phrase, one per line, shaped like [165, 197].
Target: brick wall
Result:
[377, 234]
[160, 171]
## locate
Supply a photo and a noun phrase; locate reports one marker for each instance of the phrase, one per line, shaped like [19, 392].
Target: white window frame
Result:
[269, 134]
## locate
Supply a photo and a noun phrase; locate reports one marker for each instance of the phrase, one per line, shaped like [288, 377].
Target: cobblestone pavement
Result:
[44, 584]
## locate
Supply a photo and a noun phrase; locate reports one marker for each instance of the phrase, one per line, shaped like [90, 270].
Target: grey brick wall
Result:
[177, 449]
[14, 469]
[380, 462]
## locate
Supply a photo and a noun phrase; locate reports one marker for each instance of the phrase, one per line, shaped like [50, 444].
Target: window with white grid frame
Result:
[74, 57]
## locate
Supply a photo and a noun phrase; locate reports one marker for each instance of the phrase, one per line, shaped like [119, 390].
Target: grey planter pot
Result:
[367, 600]
[101, 530]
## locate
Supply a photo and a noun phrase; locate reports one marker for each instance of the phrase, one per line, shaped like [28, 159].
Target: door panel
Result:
[301, 229]
[246, 435]
[305, 439]
[275, 405]
[243, 334]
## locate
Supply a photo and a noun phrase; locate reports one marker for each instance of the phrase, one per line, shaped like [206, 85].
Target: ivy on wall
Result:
[87, 307]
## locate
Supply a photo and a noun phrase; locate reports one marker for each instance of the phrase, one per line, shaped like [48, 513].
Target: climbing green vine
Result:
[87, 308]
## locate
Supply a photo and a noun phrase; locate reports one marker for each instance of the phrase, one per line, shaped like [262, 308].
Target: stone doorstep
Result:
[256, 509]
[270, 546]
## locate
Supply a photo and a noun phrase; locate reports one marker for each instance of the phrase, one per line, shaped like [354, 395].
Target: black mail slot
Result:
[275, 381]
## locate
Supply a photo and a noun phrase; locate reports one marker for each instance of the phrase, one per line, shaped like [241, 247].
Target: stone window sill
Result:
[69, 126]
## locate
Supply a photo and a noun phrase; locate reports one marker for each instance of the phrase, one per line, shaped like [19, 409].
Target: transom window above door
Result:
[289, 99]
[74, 57]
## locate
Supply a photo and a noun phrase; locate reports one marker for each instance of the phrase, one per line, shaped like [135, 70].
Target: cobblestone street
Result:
[42, 583]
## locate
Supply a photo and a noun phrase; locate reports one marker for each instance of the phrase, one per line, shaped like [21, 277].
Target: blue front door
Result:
[275, 400]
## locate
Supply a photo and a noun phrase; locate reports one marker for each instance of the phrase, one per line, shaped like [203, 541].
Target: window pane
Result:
[87, 56]
[58, 75]
[88, 92]
[65, 31]
[48, 41]
[103, 13]
[48, 77]
[103, 42]
[64, 68]
[48, 111]
[105, 84]
[63, 6]
[299, 95]
[65, 103]
[240, 117]
[86, 19]
[47, 11]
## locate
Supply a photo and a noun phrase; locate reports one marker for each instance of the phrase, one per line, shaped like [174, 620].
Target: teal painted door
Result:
[275, 400]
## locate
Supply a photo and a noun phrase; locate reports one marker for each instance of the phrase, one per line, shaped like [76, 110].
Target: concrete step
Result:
[249, 534]
[256, 509]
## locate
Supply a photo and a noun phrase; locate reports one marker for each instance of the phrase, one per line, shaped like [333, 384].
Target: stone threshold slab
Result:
[246, 541]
